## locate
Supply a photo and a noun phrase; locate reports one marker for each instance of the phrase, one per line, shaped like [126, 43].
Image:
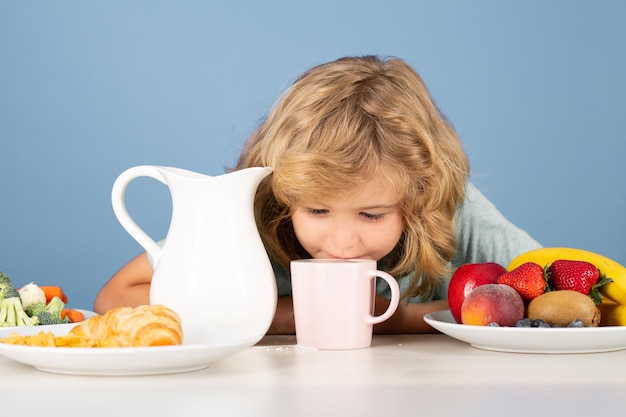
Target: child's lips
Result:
[344, 257]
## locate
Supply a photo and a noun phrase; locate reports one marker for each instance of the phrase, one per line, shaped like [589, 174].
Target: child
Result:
[365, 166]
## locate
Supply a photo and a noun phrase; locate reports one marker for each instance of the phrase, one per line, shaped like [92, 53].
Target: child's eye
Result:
[316, 212]
[372, 217]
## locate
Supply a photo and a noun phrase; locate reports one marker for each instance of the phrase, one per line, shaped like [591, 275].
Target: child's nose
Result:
[345, 238]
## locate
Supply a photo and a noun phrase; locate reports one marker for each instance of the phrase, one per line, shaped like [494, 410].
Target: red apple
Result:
[466, 278]
[492, 303]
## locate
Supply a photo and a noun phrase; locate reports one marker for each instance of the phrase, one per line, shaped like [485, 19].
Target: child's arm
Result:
[408, 318]
[128, 287]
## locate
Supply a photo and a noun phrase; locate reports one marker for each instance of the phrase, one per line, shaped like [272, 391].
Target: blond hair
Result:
[340, 124]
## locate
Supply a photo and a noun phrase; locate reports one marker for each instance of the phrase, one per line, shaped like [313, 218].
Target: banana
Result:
[615, 290]
[612, 314]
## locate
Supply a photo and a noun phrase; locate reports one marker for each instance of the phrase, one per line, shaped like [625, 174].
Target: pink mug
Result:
[333, 302]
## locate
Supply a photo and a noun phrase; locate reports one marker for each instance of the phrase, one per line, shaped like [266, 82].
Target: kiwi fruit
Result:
[559, 308]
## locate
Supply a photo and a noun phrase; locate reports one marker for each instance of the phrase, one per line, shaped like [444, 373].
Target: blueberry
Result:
[538, 323]
[576, 323]
[535, 322]
[493, 324]
[525, 322]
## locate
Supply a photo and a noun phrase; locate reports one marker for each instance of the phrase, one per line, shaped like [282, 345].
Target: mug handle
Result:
[395, 298]
[121, 212]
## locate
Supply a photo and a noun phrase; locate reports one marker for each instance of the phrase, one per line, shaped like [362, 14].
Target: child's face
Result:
[368, 225]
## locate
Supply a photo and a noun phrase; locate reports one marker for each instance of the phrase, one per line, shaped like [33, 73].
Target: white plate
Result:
[87, 313]
[202, 346]
[533, 339]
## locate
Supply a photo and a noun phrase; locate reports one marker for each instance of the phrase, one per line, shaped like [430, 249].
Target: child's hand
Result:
[408, 318]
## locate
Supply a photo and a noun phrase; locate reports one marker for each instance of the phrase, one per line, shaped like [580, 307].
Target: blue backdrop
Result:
[536, 90]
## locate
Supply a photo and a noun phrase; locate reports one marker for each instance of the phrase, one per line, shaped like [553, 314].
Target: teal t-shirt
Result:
[483, 235]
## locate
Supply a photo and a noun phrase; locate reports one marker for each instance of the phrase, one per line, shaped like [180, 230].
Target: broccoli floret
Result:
[46, 317]
[11, 311]
[48, 314]
[35, 309]
[7, 290]
[12, 314]
[3, 277]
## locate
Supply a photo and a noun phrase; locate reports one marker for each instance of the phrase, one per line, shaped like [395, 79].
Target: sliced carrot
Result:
[74, 315]
[51, 291]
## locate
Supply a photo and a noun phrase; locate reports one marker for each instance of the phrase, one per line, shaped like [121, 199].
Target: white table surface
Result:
[404, 375]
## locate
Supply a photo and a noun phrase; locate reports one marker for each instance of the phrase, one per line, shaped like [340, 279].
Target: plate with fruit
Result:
[531, 339]
[549, 300]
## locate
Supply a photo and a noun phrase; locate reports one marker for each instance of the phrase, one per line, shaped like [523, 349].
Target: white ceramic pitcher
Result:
[213, 267]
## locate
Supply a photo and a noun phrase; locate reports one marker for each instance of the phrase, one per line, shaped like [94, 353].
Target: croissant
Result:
[147, 325]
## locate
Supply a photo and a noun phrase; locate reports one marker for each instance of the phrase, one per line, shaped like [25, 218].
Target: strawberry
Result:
[528, 280]
[580, 276]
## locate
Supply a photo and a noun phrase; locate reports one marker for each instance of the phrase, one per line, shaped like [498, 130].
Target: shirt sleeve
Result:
[483, 235]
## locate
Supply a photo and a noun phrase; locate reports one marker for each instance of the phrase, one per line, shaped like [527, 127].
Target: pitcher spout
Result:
[253, 174]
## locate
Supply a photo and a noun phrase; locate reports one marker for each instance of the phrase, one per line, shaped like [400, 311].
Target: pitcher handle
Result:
[119, 206]
[395, 298]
